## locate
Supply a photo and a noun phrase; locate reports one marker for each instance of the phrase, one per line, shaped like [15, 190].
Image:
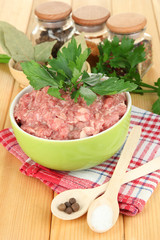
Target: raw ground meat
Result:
[48, 117]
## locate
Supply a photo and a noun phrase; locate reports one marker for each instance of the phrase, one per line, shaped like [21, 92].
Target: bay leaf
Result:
[43, 51]
[19, 46]
[2, 43]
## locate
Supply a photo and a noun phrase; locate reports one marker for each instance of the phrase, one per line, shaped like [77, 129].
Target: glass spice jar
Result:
[132, 25]
[54, 22]
[91, 20]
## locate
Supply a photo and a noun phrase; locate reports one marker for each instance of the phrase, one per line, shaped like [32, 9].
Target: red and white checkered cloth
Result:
[132, 196]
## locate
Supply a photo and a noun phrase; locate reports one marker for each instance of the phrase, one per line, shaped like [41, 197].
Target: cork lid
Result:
[53, 10]
[90, 15]
[126, 23]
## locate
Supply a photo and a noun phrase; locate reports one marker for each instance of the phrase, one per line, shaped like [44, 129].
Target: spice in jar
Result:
[132, 25]
[92, 21]
[53, 23]
[70, 206]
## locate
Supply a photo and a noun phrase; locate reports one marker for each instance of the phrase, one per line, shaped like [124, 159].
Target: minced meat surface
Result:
[48, 117]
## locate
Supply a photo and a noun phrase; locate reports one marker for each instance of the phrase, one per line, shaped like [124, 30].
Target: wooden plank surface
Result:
[25, 202]
[16, 13]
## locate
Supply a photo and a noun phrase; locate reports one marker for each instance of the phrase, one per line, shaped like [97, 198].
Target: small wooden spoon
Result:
[104, 211]
[86, 196]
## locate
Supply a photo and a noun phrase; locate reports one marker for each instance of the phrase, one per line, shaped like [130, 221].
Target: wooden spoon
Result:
[85, 196]
[104, 211]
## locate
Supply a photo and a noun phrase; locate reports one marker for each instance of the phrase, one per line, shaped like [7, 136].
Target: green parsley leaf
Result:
[88, 95]
[75, 95]
[156, 106]
[158, 85]
[38, 76]
[91, 80]
[54, 91]
[112, 86]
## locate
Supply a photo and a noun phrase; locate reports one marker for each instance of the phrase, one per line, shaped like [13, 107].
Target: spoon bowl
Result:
[104, 211]
[83, 197]
[103, 214]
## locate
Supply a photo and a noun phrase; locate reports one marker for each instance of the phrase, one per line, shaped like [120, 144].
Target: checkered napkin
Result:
[132, 196]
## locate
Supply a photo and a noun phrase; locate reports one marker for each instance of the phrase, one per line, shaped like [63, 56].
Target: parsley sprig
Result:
[66, 73]
[120, 60]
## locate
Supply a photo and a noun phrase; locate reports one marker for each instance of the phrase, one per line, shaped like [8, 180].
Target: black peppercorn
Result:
[70, 206]
[62, 207]
[67, 204]
[75, 207]
[72, 200]
[69, 210]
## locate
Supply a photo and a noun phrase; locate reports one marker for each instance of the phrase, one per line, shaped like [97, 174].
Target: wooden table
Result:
[24, 201]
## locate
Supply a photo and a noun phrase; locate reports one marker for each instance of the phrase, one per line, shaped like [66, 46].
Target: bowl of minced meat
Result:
[64, 135]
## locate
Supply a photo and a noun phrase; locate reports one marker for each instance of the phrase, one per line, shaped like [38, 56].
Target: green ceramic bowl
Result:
[76, 154]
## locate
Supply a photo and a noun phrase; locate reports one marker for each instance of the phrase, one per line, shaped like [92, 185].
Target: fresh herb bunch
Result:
[117, 59]
[120, 60]
[66, 73]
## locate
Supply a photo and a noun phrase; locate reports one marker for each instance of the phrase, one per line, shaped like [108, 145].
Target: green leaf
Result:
[2, 42]
[76, 75]
[127, 44]
[4, 58]
[38, 75]
[118, 62]
[88, 95]
[71, 52]
[136, 56]
[157, 83]
[60, 64]
[19, 46]
[54, 91]
[91, 80]
[82, 58]
[75, 95]
[43, 51]
[112, 86]
[80, 40]
[156, 106]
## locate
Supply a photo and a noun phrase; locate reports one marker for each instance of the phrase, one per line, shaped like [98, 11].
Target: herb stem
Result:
[143, 91]
[146, 85]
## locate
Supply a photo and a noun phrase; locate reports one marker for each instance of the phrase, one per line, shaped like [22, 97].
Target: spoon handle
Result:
[143, 170]
[131, 175]
[123, 162]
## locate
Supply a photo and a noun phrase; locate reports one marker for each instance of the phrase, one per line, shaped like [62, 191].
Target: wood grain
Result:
[16, 13]
[144, 225]
[78, 229]
[24, 201]
[156, 9]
